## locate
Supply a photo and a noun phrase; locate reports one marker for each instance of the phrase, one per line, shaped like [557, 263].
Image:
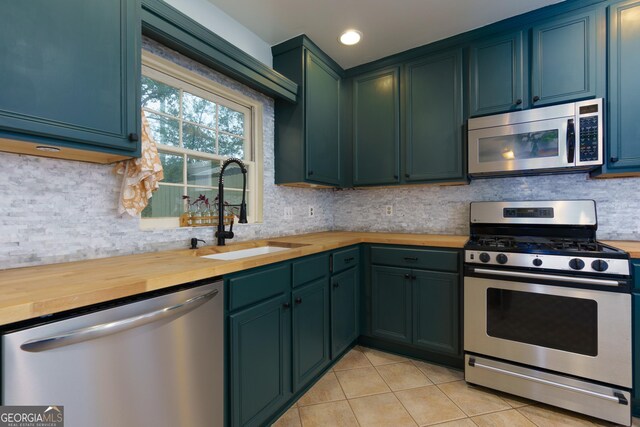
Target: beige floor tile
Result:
[548, 416]
[291, 418]
[514, 401]
[381, 410]
[428, 405]
[377, 357]
[353, 359]
[510, 418]
[473, 400]
[361, 382]
[328, 414]
[458, 423]
[439, 374]
[327, 389]
[635, 422]
[401, 376]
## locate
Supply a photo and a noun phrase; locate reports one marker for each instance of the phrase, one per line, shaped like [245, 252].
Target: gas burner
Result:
[563, 242]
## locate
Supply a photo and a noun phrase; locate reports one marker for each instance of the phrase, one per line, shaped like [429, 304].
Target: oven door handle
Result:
[617, 397]
[539, 276]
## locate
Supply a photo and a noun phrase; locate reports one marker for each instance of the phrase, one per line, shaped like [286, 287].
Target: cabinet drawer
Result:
[309, 269]
[635, 271]
[345, 259]
[256, 286]
[430, 259]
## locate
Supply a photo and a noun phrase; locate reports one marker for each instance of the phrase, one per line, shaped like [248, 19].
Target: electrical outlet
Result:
[288, 212]
[312, 211]
[388, 210]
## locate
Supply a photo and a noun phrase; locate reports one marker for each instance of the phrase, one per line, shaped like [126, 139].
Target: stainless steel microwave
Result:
[560, 138]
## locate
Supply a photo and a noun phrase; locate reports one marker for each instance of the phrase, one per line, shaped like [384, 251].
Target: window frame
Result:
[177, 76]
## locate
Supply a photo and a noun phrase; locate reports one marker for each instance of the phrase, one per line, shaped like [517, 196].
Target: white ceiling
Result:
[388, 26]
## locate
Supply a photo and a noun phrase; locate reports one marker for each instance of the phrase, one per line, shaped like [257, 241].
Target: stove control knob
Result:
[537, 262]
[576, 264]
[484, 257]
[599, 265]
[502, 259]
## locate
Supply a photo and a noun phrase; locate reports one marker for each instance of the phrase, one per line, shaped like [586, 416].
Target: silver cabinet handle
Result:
[616, 399]
[582, 280]
[110, 328]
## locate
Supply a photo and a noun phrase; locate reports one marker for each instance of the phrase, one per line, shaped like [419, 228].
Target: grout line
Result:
[525, 415]
[353, 412]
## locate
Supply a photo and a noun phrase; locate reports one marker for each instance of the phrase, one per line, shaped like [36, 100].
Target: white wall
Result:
[209, 15]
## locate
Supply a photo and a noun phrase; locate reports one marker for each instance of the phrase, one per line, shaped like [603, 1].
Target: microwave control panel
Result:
[588, 142]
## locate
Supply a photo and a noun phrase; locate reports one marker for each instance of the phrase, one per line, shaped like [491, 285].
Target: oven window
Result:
[528, 145]
[562, 323]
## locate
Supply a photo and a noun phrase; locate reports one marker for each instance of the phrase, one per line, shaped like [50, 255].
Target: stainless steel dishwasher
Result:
[154, 362]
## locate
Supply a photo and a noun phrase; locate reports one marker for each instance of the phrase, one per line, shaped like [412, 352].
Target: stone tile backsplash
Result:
[445, 209]
[57, 210]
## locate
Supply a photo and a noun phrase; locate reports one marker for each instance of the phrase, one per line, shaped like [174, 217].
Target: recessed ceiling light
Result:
[350, 37]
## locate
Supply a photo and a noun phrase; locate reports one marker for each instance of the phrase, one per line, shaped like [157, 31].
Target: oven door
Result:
[581, 332]
[544, 144]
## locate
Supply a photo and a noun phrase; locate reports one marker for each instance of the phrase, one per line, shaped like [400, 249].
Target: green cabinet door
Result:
[70, 73]
[434, 119]
[310, 331]
[376, 127]
[496, 74]
[391, 303]
[308, 138]
[624, 87]
[344, 310]
[563, 59]
[259, 361]
[322, 99]
[636, 354]
[436, 310]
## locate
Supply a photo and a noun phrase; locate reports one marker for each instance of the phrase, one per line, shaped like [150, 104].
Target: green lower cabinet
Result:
[635, 397]
[391, 303]
[310, 331]
[344, 310]
[436, 311]
[260, 362]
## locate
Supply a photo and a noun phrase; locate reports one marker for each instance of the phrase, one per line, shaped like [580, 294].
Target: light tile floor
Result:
[370, 388]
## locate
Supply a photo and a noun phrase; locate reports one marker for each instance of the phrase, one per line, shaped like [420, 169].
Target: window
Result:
[197, 124]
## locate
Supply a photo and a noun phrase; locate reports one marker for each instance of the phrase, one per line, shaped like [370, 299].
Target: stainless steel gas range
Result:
[547, 308]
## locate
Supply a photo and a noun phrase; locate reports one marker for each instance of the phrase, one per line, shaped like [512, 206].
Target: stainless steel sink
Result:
[245, 253]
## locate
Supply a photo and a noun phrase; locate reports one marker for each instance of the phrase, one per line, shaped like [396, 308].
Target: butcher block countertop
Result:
[631, 246]
[31, 292]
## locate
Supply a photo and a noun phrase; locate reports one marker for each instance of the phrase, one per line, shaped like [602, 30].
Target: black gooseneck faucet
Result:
[221, 234]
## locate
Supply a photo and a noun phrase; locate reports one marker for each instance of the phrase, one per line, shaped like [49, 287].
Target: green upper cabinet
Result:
[308, 143]
[564, 59]
[310, 331]
[70, 75]
[624, 87]
[496, 74]
[376, 127]
[434, 119]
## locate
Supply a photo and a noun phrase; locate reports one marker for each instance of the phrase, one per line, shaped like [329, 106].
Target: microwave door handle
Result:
[571, 141]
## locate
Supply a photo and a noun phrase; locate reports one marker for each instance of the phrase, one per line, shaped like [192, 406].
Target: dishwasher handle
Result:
[110, 328]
